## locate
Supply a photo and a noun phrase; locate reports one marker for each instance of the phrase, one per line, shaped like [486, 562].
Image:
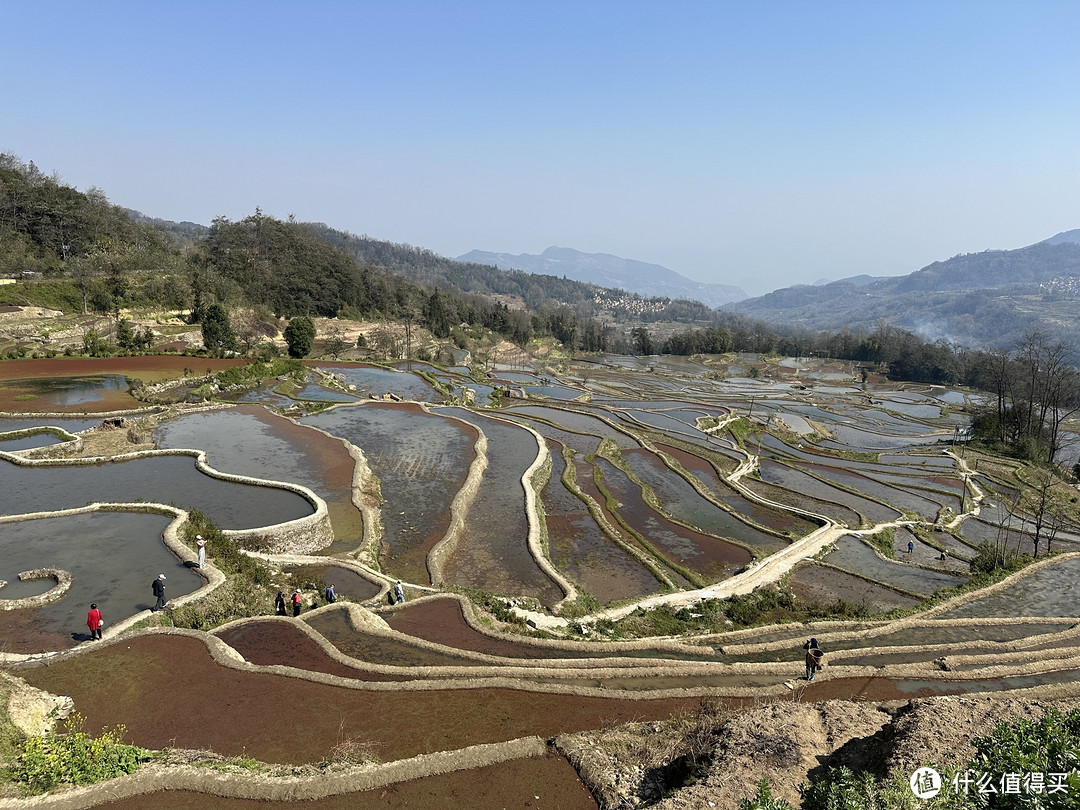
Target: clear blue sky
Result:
[756, 143]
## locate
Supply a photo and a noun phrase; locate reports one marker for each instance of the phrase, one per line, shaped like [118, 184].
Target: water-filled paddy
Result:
[819, 584]
[680, 500]
[421, 461]
[61, 393]
[1051, 591]
[796, 481]
[580, 548]
[852, 554]
[112, 557]
[347, 583]
[8, 424]
[680, 546]
[703, 471]
[250, 440]
[372, 381]
[492, 550]
[577, 422]
[32, 441]
[172, 480]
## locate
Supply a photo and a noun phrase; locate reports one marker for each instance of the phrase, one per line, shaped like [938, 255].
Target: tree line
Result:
[1035, 386]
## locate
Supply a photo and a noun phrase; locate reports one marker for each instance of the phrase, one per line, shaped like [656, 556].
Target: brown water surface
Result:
[545, 782]
[169, 692]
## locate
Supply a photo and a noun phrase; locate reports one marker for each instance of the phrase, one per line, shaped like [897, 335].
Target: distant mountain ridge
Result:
[976, 299]
[606, 270]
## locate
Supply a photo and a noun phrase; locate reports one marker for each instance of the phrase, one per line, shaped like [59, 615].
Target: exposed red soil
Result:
[21, 632]
[548, 782]
[442, 622]
[169, 692]
[274, 642]
[162, 365]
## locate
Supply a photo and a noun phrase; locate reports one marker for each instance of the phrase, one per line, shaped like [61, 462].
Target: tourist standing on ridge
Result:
[202, 549]
[94, 622]
[297, 603]
[279, 603]
[399, 593]
[159, 591]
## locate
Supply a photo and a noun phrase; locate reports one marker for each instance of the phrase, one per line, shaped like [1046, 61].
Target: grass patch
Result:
[766, 605]
[247, 591]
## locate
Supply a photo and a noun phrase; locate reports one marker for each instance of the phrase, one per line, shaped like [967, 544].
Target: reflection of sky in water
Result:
[161, 479]
[864, 440]
[113, 561]
[912, 410]
[380, 380]
[854, 555]
[243, 443]
[317, 393]
[43, 439]
[1050, 591]
[70, 425]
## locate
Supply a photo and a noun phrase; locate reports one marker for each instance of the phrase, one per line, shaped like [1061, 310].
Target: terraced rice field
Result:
[646, 497]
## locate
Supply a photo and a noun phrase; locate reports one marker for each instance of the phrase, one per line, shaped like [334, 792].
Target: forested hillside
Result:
[535, 290]
[74, 251]
[44, 223]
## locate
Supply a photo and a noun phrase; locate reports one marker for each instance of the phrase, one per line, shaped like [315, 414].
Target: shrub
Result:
[76, 758]
[1049, 745]
[94, 344]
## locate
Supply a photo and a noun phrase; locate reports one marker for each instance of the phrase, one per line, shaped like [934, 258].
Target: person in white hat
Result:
[201, 544]
[297, 603]
[159, 591]
[399, 592]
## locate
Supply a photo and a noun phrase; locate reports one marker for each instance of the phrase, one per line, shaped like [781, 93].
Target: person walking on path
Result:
[910, 546]
[279, 603]
[202, 549]
[814, 656]
[94, 622]
[297, 603]
[399, 593]
[159, 591]
[331, 595]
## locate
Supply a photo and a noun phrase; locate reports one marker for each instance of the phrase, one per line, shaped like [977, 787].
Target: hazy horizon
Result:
[753, 144]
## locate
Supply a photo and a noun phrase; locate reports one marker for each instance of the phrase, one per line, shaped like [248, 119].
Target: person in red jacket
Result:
[94, 622]
[297, 601]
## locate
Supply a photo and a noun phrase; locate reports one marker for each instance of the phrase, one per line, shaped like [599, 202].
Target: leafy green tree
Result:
[94, 344]
[217, 332]
[642, 340]
[125, 335]
[300, 336]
